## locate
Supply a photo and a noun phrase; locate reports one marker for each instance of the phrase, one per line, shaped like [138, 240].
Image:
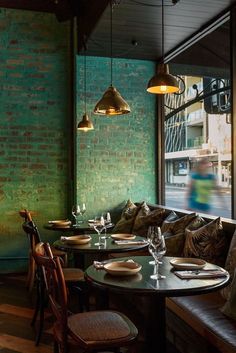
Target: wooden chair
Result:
[32, 242]
[89, 331]
[74, 278]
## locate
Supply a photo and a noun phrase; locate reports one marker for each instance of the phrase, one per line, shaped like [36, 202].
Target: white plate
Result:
[123, 236]
[122, 268]
[60, 223]
[187, 263]
[76, 239]
[91, 220]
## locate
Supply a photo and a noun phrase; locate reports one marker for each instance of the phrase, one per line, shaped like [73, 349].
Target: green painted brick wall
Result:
[116, 160]
[34, 110]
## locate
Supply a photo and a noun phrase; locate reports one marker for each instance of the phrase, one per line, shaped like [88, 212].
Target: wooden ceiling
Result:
[136, 24]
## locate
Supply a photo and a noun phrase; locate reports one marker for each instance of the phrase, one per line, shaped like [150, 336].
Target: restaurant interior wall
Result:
[116, 160]
[34, 81]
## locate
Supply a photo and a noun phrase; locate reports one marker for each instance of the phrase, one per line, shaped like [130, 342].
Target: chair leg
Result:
[31, 273]
[39, 309]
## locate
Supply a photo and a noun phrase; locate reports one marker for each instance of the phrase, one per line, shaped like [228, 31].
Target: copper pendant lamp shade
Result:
[111, 103]
[163, 82]
[85, 124]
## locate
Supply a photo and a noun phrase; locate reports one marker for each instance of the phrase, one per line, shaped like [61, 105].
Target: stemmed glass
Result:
[157, 248]
[83, 210]
[107, 221]
[150, 235]
[99, 226]
[76, 212]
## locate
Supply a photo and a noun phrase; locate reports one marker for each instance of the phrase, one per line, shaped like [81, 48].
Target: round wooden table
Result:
[142, 284]
[98, 252]
[81, 228]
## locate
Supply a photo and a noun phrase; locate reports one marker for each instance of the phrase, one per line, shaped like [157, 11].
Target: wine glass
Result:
[98, 225]
[107, 221]
[83, 209]
[150, 234]
[76, 212]
[157, 248]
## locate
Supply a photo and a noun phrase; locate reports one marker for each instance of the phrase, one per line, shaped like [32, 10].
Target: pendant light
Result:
[111, 102]
[85, 124]
[163, 82]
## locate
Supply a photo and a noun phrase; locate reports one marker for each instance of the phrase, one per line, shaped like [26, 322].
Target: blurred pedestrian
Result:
[200, 188]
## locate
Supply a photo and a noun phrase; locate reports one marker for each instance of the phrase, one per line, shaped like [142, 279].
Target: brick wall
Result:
[33, 125]
[116, 160]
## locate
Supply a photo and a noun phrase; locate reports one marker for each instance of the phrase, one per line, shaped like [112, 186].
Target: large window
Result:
[198, 135]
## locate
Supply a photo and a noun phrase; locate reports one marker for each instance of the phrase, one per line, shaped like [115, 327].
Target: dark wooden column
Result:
[233, 104]
[160, 151]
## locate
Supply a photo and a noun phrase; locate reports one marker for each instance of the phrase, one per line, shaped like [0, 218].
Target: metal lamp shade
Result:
[85, 124]
[111, 103]
[163, 82]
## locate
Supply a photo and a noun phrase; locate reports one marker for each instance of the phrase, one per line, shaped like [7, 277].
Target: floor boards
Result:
[16, 311]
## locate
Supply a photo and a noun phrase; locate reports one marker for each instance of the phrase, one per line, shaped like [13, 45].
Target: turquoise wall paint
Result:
[116, 160]
[34, 111]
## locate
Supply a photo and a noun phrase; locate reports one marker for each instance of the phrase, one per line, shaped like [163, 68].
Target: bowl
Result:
[60, 223]
[122, 268]
[123, 236]
[76, 239]
[187, 263]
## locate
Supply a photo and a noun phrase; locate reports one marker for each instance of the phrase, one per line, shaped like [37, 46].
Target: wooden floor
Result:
[16, 311]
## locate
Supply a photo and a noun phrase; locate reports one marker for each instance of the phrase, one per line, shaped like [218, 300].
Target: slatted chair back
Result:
[55, 286]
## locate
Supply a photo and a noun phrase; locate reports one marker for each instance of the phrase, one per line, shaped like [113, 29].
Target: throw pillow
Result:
[230, 266]
[146, 218]
[197, 223]
[208, 243]
[229, 308]
[126, 222]
[173, 229]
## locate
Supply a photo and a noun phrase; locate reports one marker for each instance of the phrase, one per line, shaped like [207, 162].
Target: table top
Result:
[81, 227]
[141, 283]
[109, 247]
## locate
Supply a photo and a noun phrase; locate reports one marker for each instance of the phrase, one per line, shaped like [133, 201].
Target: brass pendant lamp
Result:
[163, 82]
[111, 102]
[85, 124]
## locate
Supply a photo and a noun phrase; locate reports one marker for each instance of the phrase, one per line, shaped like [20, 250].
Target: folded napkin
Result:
[214, 273]
[131, 242]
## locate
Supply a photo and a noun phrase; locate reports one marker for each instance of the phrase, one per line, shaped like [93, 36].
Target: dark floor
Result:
[16, 311]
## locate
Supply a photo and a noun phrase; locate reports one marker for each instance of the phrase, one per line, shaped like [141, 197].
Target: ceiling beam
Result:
[43, 5]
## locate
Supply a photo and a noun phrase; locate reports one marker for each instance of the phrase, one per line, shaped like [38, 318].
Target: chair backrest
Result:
[54, 283]
[26, 214]
[32, 232]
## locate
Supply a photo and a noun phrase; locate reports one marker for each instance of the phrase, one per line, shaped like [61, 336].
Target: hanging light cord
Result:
[162, 31]
[111, 54]
[85, 83]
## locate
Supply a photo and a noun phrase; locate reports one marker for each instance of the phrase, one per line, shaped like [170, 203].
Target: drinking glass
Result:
[76, 212]
[98, 225]
[107, 221]
[157, 249]
[83, 210]
[150, 234]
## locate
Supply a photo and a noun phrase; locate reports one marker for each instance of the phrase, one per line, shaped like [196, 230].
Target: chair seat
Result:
[73, 274]
[99, 328]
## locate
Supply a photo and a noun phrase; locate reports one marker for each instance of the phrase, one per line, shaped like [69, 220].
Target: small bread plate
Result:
[76, 239]
[122, 268]
[123, 236]
[60, 223]
[187, 263]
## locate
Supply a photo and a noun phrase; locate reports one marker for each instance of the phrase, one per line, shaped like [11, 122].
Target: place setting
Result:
[195, 268]
[118, 268]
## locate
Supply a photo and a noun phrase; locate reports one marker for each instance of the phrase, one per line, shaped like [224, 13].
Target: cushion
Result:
[146, 218]
[229, 308]
[207, 242]
[126, 222]
[230, 266]
[196, 223]
[173, 229]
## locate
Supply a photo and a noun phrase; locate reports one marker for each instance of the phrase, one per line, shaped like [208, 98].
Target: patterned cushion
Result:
[196, 223]
[230, 266]
[173, 229]
[208, 243]
[229, 308]
[126, 222]
[146, 218]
